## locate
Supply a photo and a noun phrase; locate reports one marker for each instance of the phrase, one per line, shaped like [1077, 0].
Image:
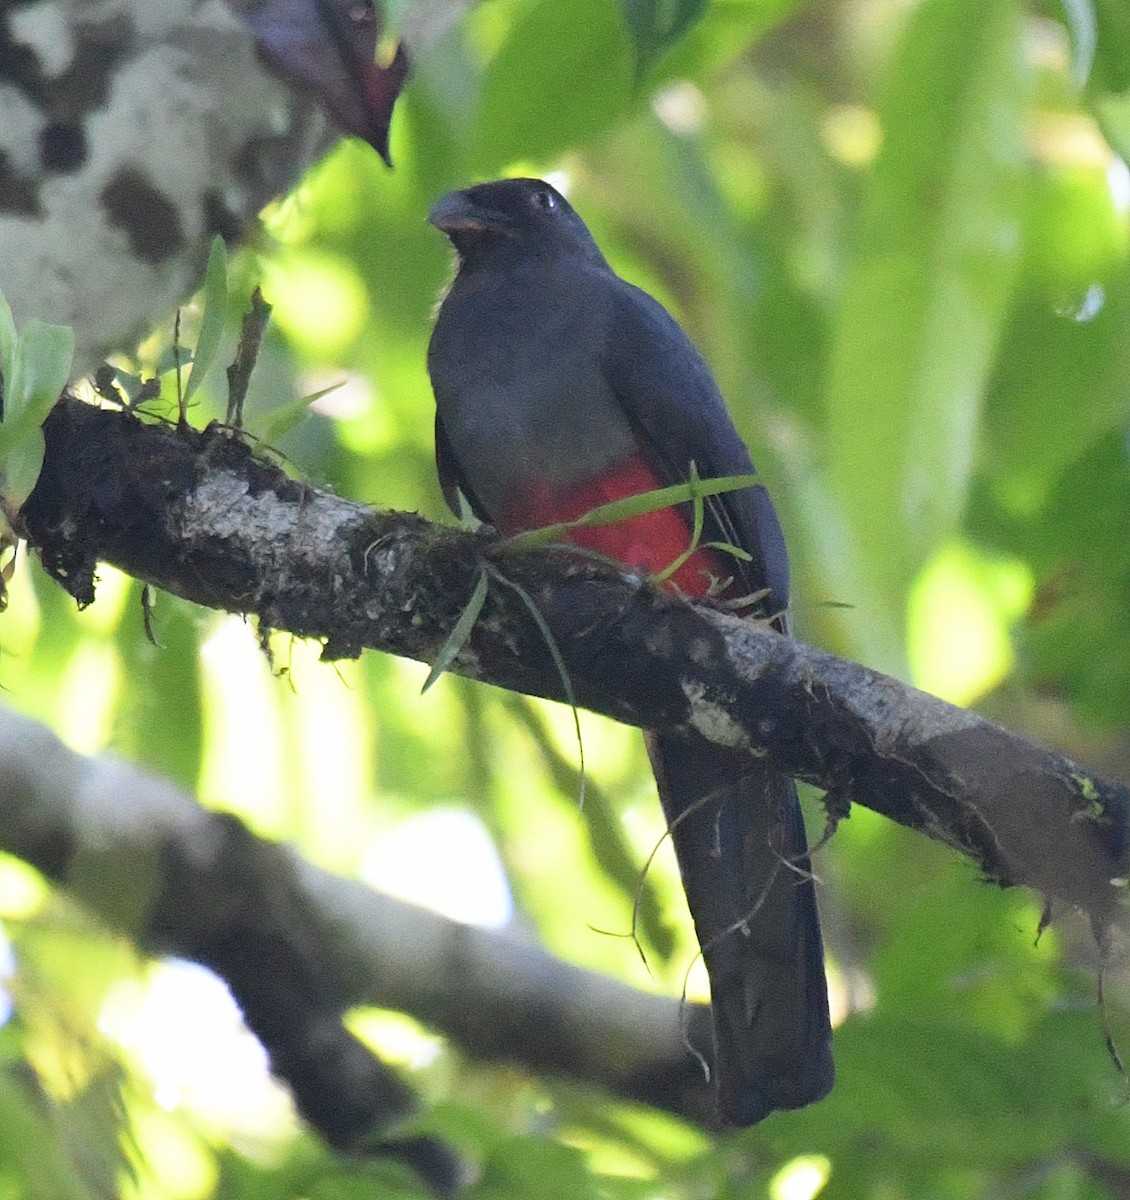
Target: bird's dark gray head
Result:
[512, 218]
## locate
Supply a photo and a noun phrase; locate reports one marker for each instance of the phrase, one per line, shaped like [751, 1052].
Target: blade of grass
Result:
[284, 418]
[214, 313]
[630, 506]
[698, 504]
[460, 632]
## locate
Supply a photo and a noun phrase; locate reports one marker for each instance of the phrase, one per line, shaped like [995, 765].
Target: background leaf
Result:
[214, 303]
[927, 295]
[38, 367]
[562, 74]
[656, 25]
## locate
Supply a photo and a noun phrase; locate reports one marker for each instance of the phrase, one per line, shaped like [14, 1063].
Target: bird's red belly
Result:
[650, 542]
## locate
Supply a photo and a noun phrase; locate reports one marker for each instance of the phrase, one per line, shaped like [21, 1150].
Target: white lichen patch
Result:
[713, 721]
[220, 507]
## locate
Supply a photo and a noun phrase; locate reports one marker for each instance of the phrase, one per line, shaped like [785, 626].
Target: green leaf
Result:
[729, 548]
[1059, 391]
[926, 300]
[563, 74]
[162, 680]
[725, 30]
[657, 24]
[631, 506]
[37, 373]
[46, 353]
[21, 465]
[699, 511]
[214, 315]
[282, 420]
[460, 632]
[533, 1166]
[8, 345]
[34, 377]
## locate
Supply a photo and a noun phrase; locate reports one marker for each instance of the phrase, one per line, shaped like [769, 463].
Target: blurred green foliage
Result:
[899, 233]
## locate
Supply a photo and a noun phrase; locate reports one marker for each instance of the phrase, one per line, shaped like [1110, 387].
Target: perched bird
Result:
[559, 387]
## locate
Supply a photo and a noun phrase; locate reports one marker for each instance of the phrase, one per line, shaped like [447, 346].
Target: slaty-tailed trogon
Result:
[559, 386]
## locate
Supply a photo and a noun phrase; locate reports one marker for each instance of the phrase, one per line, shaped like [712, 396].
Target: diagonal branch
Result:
[195, 513]
[299, 946]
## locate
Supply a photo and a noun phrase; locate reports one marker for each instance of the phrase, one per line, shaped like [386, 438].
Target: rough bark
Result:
[197, 514]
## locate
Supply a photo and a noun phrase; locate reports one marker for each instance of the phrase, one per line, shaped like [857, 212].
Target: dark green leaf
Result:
[461, 631]
[563, 74]
[656, 25]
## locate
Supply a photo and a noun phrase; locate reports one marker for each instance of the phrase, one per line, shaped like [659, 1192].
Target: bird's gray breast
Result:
[516, 367]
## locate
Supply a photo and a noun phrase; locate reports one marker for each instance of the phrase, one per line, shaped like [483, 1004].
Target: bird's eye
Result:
[544, 199]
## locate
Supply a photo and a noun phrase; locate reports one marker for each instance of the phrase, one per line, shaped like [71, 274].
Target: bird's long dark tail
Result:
[740, 841]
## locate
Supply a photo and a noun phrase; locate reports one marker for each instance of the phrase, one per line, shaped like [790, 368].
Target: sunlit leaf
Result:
[40, 368]
[20, 465]
[279, 421]
[7, 347]
[926, 298]
[214, 305]
[45, 353]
